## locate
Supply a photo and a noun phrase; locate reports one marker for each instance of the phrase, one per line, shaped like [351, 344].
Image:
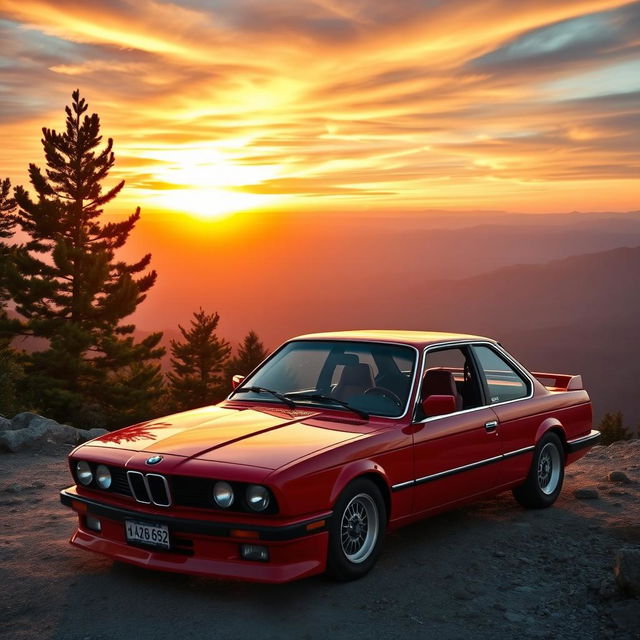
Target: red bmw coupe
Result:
[333, 440]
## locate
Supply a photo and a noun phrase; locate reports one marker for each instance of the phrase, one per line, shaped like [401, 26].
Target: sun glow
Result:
[210, 203]
[207, 183]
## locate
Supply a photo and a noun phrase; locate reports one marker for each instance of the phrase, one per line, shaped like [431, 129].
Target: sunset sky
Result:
[336, 105]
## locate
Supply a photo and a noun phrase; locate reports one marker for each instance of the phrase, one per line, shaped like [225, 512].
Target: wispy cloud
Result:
[373, 104]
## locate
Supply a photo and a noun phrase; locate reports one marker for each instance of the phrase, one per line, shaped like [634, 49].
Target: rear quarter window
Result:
[504, 383]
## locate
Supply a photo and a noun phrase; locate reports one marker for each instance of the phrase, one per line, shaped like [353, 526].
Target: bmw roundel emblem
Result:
[154, 459]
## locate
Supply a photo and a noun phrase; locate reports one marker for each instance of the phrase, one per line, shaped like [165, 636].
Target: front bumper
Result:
[205, 547]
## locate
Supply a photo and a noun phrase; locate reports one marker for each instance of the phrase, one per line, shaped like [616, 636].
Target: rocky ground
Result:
[488, 570]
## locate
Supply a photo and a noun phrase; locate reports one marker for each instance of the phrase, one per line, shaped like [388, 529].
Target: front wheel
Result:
[356, 530]
[544, 482]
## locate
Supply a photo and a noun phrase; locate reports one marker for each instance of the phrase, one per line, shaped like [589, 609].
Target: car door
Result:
[508, 389]
[455, 455]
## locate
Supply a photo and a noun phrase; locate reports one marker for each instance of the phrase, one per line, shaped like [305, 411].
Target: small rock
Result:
[618, 476]
[14, 488]
[586, 493]
[5, 424]
[627, 570]
[499, 554]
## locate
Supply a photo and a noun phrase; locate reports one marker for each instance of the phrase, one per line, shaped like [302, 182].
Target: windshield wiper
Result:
[322, 398]
[276, 394]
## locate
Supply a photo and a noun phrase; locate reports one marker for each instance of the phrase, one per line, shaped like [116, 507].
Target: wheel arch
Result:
[552, 425]
[364, 469]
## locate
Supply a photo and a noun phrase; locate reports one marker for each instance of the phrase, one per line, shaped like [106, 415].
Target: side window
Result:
[451, 371]
[503, 382]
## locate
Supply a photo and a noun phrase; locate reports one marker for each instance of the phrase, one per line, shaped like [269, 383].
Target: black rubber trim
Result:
[203, 527]
[468, 467]
[582, 443]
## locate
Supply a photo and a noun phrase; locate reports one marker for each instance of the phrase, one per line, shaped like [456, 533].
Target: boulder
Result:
[62, 434]
[85, 435]
[15, 440]
[23, 420]
[31, 431]
[627, 570]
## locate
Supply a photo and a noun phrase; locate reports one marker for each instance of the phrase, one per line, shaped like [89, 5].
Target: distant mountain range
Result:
[573, 315]
[576, 315]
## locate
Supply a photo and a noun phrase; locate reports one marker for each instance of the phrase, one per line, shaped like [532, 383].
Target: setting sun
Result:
[204, 182]
[209, 203]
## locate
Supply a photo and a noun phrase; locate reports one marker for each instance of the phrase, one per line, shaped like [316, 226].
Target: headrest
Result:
[438, 382]
[356, 375]
[347, 359]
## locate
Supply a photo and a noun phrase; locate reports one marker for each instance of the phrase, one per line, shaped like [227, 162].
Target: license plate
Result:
[156, 535]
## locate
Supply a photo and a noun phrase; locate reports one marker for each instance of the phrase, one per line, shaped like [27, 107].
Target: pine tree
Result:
[613, 429]
[251, 353]
[198, 363]
[68, 285]
[7, 224]
[7, 207]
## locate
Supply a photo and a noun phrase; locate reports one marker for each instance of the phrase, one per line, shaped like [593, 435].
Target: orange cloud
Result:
[377, 104]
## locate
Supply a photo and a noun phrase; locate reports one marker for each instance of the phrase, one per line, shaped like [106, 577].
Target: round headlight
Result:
[84, 473]
[223, 494]
[103, 476]
[257, 497]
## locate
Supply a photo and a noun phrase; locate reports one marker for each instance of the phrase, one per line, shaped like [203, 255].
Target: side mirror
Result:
[236, 381]
[438, 405]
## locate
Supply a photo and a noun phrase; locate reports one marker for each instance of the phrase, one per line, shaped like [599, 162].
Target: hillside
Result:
[488, 570]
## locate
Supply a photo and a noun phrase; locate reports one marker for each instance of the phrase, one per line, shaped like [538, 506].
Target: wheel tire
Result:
[544, 482]
[356, 531]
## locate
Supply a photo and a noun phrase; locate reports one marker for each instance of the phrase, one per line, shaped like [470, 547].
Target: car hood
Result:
[267, 438]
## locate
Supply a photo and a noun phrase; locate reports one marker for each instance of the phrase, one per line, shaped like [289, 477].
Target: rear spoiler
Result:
[559, 381]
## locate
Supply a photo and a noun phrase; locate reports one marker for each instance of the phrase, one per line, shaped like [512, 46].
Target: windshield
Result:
[371, 377]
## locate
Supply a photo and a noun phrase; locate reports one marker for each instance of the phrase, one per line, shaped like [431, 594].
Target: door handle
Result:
[492, 425]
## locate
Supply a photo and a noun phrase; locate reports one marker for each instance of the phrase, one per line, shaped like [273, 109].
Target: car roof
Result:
[414, 338]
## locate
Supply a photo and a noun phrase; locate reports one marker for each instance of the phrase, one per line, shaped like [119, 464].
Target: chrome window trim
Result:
[473, 343]
[377, 415]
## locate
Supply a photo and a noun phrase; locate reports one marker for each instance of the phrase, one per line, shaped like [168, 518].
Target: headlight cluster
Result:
[256, 497]
[85, 474]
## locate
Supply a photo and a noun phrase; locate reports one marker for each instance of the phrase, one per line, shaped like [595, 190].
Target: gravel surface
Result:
[489, 570]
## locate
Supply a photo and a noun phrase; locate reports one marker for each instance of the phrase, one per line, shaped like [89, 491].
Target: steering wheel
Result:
[384, 393]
